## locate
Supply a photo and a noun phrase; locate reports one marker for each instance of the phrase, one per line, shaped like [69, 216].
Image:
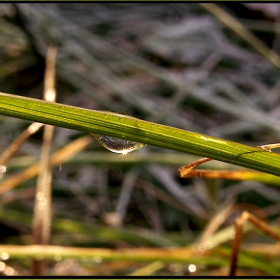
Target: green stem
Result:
[126, 127]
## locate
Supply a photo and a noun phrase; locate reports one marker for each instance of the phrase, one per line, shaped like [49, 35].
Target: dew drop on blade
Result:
[116, 145]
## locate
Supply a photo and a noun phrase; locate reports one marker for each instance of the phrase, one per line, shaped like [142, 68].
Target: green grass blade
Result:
[126, 127]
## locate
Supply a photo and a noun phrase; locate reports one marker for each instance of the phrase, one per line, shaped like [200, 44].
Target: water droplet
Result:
[192, 268]
[3, 169]
[4, 256]
[117, 145]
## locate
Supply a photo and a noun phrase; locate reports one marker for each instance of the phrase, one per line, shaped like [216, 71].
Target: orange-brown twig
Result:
[188, 170]
[239, 222]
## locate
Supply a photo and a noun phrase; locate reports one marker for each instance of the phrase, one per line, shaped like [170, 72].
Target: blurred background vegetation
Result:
[171, 63]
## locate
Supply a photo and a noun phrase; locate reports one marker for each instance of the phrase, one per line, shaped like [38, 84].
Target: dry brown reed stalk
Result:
[10, 151]
[57, 158]
[239, 223]
[42, 207]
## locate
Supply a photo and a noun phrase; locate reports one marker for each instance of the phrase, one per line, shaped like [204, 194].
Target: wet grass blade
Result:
[130, 128]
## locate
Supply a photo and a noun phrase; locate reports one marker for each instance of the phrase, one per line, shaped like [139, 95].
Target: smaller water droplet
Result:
[4, 256]
[192, 268]
[3, 169]
[116, 145]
